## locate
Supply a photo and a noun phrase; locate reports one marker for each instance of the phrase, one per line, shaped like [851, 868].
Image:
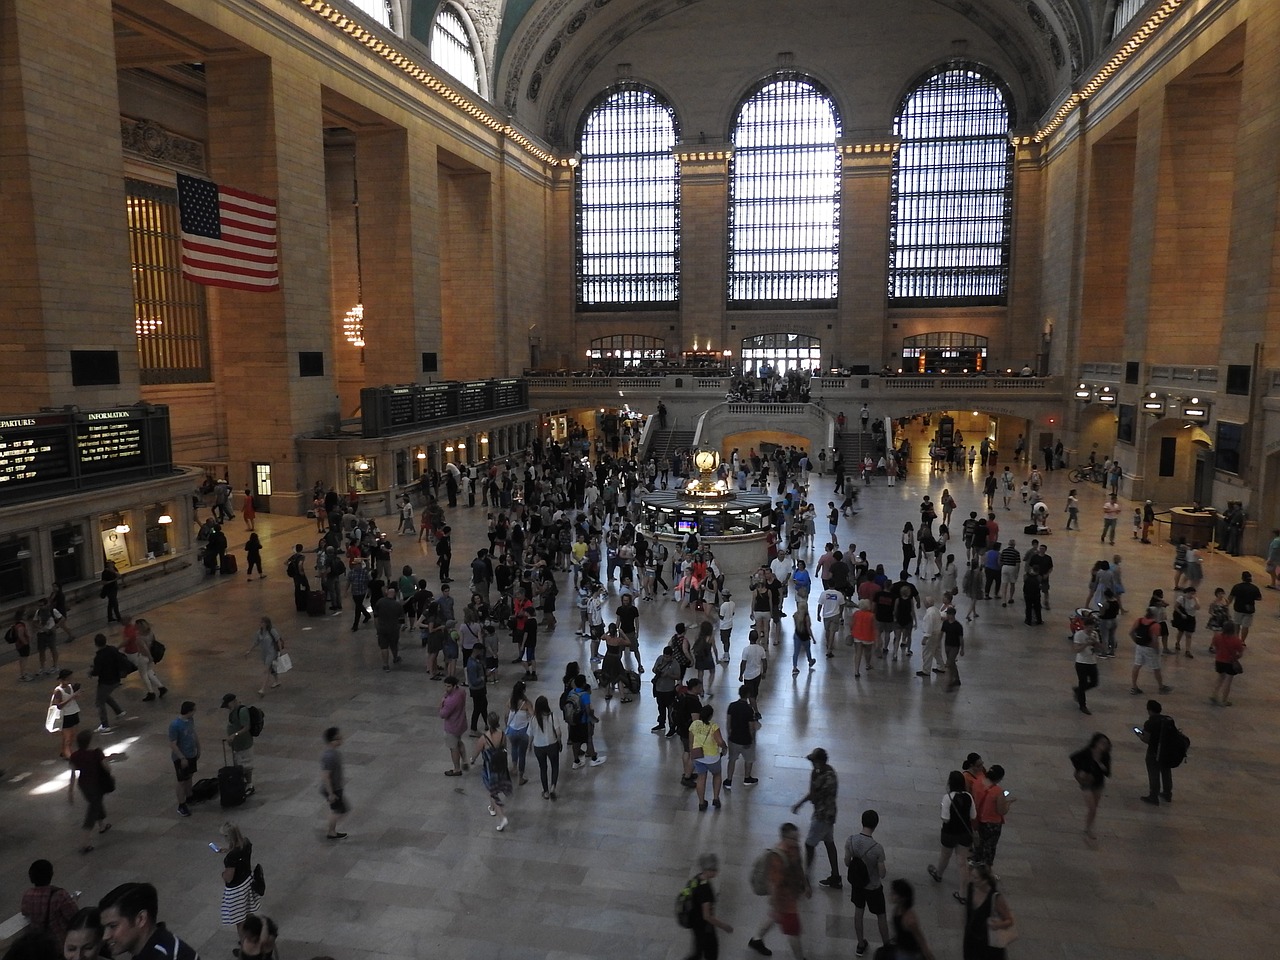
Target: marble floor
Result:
[424, 874]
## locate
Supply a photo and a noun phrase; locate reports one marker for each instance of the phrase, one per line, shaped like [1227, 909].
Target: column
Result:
[861, 335]
[64, 276]
[704, 244]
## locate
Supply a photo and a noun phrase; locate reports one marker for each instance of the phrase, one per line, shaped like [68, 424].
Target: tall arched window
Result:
[379, 10]
[952, 190]
[452, 49]
[1126, 10]
[784, 196]
[628, 202]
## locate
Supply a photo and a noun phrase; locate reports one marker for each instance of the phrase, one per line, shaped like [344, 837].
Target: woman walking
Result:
[1185, 607]
[802, 640]
[249, 510]
[706, 746]
[1227, 648]
[987, 910]
[239, 899]
[65, 697]
[138, 648]
[89, 769]
[957, 832]
[269, 644]
[252, 549]
[519, 719]
[547, 744]
[973, 589]
[908, 545]
[491, 750]
[909, 942]
[1092, 767]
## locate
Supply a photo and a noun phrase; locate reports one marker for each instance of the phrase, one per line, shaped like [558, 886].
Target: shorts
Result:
[1146, 656]
[789, 924]
[386, 639]
[70, 720]
[24, 650]
[820, 831]
[46, 641]
[1242, 620]
[761, 620]
[753, 687]
[338, 804]
[704, 765]
[597, 631]
[243, 758]
[1224, 667]
[872, 900]
[453, 741]
[185, 773]
[952, 840]
[885, 630]
[527, 651]
[739, 751]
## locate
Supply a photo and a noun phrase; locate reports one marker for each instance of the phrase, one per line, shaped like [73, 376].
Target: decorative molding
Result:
[147, 140]
[859, 149]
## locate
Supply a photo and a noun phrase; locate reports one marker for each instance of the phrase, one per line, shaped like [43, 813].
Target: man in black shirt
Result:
[130, 926]
[742, 723]
[1244, 596]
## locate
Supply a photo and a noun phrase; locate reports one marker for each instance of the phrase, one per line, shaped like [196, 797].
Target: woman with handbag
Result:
[89, 768]
[957, 831]
[64, 710]
[491, 751]
[547, 744]
[270, 645]
[706, 747]
[138, 648]
[988, 924]
[239, 899]
[1185, 608]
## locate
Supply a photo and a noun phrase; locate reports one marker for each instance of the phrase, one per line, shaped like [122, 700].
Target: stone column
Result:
[64, 281]
[861, 332]
[704, 202]
[265, 136]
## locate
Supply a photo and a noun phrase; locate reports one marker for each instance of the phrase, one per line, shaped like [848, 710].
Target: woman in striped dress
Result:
[238, 898]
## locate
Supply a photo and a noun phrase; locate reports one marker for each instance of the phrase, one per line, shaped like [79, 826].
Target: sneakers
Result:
[336, 836]
[861, 948]
[1135, 690]
[750, 781]
[148, 698]
[596, 761]
[102, 728]
[658, 728]
[728, 784]
[163, 691]
[1166, 689]
[184, 810]
[831, 883]
[758, 946]
[579, 764]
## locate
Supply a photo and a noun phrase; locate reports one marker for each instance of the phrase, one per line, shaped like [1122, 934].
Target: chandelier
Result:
[353, 322]
[353, 325]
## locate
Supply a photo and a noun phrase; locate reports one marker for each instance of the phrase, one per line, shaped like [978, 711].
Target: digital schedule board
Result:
[46, 454]
[406, 407]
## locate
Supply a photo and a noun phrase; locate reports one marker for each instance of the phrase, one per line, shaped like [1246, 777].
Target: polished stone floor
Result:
[424, 874]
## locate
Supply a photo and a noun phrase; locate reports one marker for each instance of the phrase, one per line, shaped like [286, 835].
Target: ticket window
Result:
[159, 522]
[362, 475]
[68, 553]
[16, 579]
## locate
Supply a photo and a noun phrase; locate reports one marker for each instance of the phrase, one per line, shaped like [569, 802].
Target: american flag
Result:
[228, 236]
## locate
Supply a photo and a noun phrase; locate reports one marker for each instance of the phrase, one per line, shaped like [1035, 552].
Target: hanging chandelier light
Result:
[353, 322]
[353, 325]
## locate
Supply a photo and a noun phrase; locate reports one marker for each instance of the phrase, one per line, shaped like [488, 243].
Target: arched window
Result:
[952, 190]
[452, 49]
[628, 202]
[379, 10]
[1126, 10]
[784, 196]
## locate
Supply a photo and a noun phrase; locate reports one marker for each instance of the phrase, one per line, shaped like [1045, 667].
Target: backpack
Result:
[11, 635]
[1141, 632]
[257, 719]
[337, 568]
[291, 568]
[1174, 745]
[859, 873]
[760, 873]
[572, 707]
[685, 907]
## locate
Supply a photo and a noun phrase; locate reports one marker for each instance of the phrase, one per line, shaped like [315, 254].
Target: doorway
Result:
[262, 487]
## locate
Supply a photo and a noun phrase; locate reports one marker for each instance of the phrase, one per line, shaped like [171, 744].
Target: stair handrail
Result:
[646, 435]
[702, 420]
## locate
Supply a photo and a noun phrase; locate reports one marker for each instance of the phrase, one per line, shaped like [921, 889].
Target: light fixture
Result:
[484, 439]
[122, 528]
[353, 322]
[362, 465]
[164, 518]
[353, 325]
[422, 454]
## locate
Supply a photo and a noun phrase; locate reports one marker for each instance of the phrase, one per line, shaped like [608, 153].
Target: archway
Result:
[945, 351]
[781, 352]
[1177, 463]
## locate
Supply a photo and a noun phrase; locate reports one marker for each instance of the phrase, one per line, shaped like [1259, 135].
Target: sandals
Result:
[933, 872]
[453, 773]
[104, 828]
[959, 899]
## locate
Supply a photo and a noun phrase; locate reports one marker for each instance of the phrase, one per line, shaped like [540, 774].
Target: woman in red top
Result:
[1227, 649]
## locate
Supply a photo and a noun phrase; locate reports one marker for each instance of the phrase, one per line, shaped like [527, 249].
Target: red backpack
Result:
[1141, 632]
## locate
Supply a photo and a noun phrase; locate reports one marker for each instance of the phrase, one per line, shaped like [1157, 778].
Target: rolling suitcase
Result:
[315, 603]
[228, 563]
[231, 785]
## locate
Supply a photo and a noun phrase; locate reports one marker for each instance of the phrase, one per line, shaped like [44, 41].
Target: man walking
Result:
[952, 646]
[864, 856]
[742, 723]
[358, 587]
[1085, 644]
[1159, 773]
[107, 662]
[184, 751]
[1110, 514]
[930, 639]
[240, 737]
[332, 783]
[822, 794]
[751, 670]
[787, 883]
[1244, 597]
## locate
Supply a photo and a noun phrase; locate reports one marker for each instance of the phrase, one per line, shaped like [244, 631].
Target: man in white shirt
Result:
[930, 639]
[829, 602]
[755, 661]
[727, 609]
[782, 566]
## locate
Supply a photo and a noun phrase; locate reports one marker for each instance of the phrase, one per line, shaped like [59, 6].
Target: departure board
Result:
[32, 450]
[402, 408]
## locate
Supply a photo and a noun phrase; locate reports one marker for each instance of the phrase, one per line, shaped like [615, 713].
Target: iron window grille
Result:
[452, 50]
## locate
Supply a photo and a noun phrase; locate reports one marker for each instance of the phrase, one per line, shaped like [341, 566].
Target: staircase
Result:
[663, 443]
[853, 446]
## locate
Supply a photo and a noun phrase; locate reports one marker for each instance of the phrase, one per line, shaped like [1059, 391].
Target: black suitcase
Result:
[203, 790]
[228, 563]
[1030, 528]
[315, 603]
[231, 785]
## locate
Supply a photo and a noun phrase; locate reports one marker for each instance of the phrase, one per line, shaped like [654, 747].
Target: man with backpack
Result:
[779, 874]
[696, 910]
[240, 733]
[295, 569]
[864, 858]
[1146, 653]
[687, 707]
[1166, 749]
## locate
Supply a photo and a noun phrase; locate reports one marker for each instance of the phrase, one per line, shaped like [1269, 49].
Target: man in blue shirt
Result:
[184, 749]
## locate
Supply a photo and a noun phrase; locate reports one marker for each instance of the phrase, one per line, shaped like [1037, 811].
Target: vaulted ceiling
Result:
[554, 56]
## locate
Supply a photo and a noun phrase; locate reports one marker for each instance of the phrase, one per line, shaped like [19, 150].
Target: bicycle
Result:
[1094, 474]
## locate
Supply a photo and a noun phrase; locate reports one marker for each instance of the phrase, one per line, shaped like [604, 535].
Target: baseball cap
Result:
[228, 699]
[818, 755]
